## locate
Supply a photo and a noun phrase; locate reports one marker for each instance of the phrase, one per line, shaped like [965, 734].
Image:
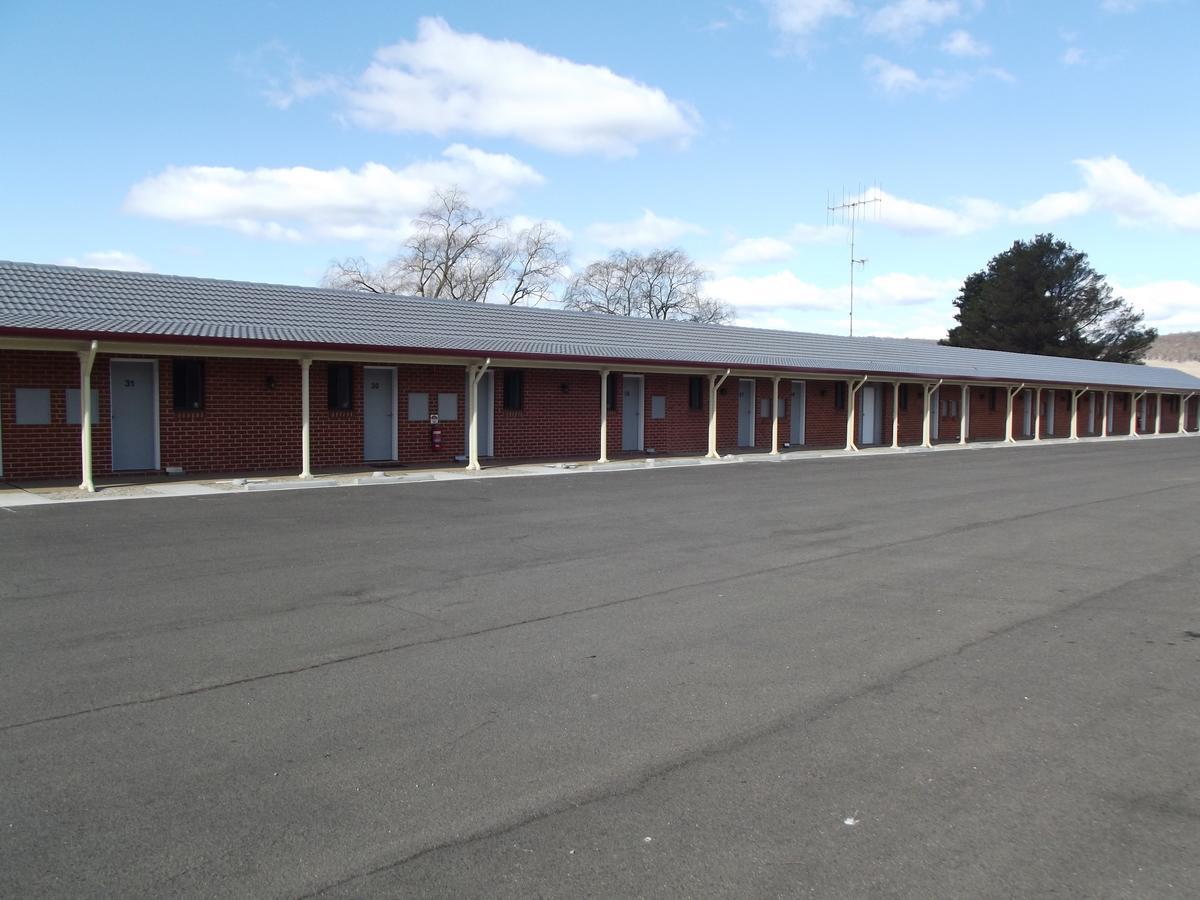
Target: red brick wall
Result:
[559, 415]
[49, 451]
[251, 418]
[684, 430]
[825, 425]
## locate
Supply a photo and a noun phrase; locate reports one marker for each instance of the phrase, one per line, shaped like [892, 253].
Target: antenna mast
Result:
[852, 211]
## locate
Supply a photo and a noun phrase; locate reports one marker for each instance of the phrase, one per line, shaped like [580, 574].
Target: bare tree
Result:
[662, 284]
[537, 265]
[355, 274]
[456, 252]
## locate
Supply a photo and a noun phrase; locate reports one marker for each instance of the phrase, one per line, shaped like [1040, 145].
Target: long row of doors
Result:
[746, 412]
[135, 444]
[134, 414]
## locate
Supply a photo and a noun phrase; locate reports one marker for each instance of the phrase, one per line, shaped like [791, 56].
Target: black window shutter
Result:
[188, 381]
[514, 388]
[696, 392]
[341, 386]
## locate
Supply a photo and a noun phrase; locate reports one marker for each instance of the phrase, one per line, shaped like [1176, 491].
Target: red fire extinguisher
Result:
[435, 433]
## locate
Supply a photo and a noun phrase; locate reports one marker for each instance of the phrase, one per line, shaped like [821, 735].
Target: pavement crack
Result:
[594, 607]
[639, 781]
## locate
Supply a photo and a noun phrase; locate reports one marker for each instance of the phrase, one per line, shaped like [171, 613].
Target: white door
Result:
[1110, 413]
[379, 413]
[1091, 414]
[935, 414]
[134, 388]
[797, 435]
[1027, 406]
[632, 402]
[870, 427]
[1049, 412]
[746, 412]
[484, 420]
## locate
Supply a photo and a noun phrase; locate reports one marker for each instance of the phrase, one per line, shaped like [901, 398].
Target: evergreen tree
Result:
[1042, 296]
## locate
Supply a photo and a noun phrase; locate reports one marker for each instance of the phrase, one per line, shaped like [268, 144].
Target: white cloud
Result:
[904, 20]
[1111, 185]
[802, 17]
[1169, 306]
[960, 43]
[901, 289]
[893, 78]
[749, 251]
[1114, 186]
[374, 203]
[779, 290]
[1123, 6]
[646, 231]
[912, 217]
[815, 234]
[445, 81]
[1072, 56]
[109, 259]
[896, 304]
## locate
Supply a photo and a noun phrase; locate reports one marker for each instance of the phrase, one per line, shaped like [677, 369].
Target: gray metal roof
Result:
[133, 305]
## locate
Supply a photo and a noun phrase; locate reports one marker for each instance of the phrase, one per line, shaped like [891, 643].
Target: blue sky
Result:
[262, 140]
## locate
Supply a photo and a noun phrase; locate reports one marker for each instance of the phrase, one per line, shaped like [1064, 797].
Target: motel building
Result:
[107, 373]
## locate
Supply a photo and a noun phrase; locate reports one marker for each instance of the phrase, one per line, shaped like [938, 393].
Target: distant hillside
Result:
[1181, 347]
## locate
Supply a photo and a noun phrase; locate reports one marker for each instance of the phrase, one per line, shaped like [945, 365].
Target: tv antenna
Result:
[851, 211]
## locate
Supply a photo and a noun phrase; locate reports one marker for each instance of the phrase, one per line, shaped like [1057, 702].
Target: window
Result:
[992, 399]
[696, 392]
[72, 400]
[188, 380]
[839, 395]
[32, 406]
[611, 390]
[514, 388]
[658, 407]
[418, 407]
[341, 386]
[903, 397]
[448, 407]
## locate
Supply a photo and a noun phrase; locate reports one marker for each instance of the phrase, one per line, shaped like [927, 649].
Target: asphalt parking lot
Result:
[970, 674]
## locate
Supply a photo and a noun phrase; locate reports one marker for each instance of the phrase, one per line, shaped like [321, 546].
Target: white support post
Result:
[474, 376]
[927, 424]
[1104, 417]
[603, 416]
[714, 384]
[1158, 413]
[895, 415]
[1010, 396]
[774, 416]
[852, 388]
[305, 420]
[1075, 395]
[86, 359]
[1134, 400]
[964, 417]
[1183, 413]
[1037, 414]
